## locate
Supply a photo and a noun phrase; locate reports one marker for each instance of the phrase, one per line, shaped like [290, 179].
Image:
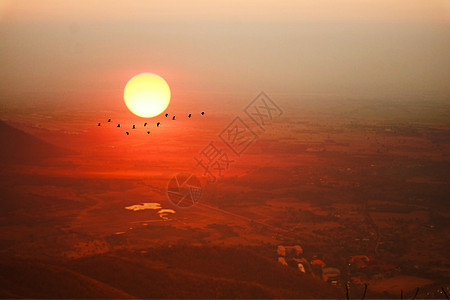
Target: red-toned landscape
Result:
[366, 196]
[224, 149]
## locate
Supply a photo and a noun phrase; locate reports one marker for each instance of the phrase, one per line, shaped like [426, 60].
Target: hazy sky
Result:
[67, 50]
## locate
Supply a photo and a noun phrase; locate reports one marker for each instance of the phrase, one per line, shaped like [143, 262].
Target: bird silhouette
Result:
[173, 118]
[148, 132]
[109, 120]
[127, 133]
[157, 124]
[145, 124]
[189, 116]
[118, 125]
[203, 113]
[99, 124]
[134, 126]
[166, 115]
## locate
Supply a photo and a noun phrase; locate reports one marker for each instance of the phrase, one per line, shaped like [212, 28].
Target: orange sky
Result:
[67, 51]
[250, 10]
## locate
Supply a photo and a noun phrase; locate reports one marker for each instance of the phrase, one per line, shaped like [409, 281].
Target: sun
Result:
[147, 95]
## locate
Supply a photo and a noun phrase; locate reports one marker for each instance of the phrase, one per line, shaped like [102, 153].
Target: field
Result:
[359, 180]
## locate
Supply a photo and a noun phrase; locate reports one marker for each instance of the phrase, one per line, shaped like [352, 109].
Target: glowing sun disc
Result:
[147, 95]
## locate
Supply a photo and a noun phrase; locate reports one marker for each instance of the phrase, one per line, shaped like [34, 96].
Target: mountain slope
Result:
[27, 279]
[175, 272]
[20, 147]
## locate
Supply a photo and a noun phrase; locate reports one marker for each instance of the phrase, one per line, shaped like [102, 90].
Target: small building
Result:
[301, 267]
[295, 251]
[282, 261]
[318, 262]
[359, 261]
[331, 274]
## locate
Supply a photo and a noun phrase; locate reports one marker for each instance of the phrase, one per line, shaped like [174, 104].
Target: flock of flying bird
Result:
[145, 124]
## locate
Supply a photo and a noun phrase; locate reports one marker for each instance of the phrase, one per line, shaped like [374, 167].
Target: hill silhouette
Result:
[21, 147]
[29, 279]
[176, 272]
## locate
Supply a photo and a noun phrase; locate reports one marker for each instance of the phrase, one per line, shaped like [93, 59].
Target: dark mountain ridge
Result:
[18, 146]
